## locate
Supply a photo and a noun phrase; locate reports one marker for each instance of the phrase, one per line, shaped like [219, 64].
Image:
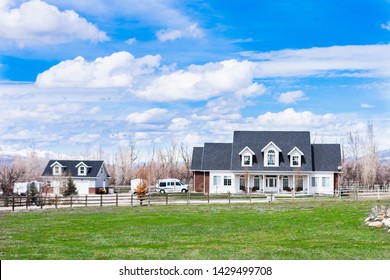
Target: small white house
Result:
[89, 176]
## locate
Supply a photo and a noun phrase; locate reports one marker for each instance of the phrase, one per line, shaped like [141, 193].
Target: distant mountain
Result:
[384, 156]
[6, 159]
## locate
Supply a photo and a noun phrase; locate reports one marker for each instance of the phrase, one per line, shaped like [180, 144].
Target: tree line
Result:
[360, 161]
[360, 164]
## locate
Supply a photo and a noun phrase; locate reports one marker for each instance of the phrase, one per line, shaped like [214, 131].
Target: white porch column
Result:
[263, 183]
[293, 184]
[278, 183]
[308, 184]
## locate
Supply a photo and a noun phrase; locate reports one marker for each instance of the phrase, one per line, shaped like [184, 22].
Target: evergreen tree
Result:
[32, 191]
[70, 187]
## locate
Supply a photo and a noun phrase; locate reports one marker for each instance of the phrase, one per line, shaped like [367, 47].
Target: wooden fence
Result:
[126, 199]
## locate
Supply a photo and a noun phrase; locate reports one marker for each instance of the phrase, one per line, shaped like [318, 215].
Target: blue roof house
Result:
[89, 176]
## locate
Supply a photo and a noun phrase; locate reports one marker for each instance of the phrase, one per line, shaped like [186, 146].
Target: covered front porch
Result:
[273, 183]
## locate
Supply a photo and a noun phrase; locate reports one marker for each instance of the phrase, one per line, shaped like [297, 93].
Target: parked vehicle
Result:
[24, 187]
[171, 185]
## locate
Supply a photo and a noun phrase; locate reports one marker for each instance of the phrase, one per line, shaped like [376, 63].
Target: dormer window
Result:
[57, 168]
[247, 160]
[271, 155]
[246, 157]
[295, 157]
[271, 158]
[295, 161]
[82, 169]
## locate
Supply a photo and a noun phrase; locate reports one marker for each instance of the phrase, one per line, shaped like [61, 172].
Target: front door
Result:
[270, 183]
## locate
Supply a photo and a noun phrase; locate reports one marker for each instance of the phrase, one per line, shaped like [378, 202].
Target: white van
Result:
[171, 185]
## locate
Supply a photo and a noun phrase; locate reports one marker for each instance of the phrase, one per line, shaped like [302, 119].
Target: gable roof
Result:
[226, 156]
[284, 140]
[197, 155]
[70, 167]
[326, 157]
[247, 149]
[216, 156]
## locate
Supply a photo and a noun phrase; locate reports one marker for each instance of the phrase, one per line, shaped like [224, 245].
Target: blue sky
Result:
[79, 75]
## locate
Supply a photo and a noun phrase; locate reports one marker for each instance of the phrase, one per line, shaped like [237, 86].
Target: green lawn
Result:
[305, 230]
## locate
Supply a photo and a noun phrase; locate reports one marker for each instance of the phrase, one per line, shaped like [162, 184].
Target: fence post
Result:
[116, 202]
[188, 198]
[13, 203]
[27, 197]
[229, 197]
[166, 198]
[86, 200]
[208, 197]
[149, 197]
[101, 200]
[71, 201]
[41, 199]
[131, 199]
[56, 201]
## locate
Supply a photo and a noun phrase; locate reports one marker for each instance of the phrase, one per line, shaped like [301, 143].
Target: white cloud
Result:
[292, 119]
[386, 25]
[192, 31]
[200, 82]
[84, 138]
[179, 124]
[131, 41]
[152, 116]
[359, 60]
[36, 22]
[118, 70]
[292, 97]
[145, 78]
[367, 106]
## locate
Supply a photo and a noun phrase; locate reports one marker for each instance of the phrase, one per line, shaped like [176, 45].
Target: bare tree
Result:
[124, 163]
[9, 175]
[370, 160]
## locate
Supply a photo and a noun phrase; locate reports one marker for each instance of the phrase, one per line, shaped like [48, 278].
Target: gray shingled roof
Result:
[71, 167]
[197, 155]
[216, 156]
[326, 157]
[285, 140]
[225, 156]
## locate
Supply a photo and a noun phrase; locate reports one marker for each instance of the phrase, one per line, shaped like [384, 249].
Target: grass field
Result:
[303, 230]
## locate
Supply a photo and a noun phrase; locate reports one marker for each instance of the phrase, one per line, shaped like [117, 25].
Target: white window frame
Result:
[56, 170]
[296, 161]
[316, 181]
[82, 171]
[227, 180]
[79, 166]
[246, 153]
[266, 150]
[271, 158]
[325, 182]
[217, 180]
[293, 154]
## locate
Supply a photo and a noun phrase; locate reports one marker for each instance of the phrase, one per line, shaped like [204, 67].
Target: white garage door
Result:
[82, 186]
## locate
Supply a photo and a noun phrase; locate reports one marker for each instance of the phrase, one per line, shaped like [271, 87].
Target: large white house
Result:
[89, 176]
[277, 162]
